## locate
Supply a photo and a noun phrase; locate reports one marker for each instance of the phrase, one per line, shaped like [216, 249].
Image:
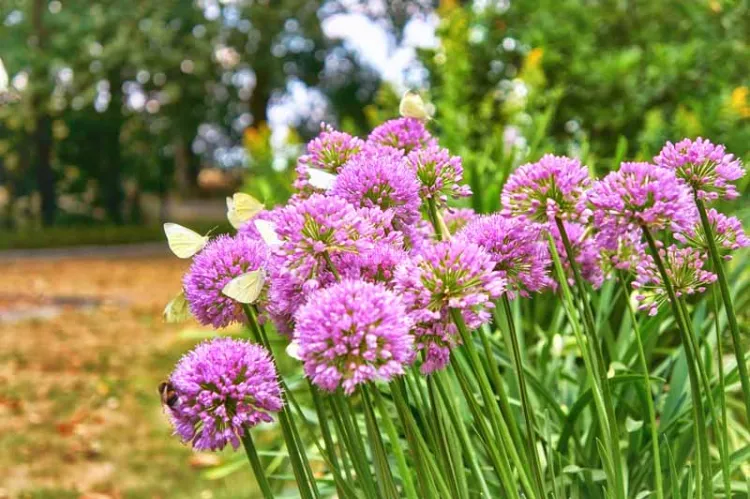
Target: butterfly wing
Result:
[177, 309]
[245, 288]
[184, 242]
[321, 179]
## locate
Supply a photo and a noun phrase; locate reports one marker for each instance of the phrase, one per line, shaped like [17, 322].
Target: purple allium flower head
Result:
[377, 264]
[310, 230]
[223, 259]
[383, 181]
[586, 253]
[444, 276]
[406, 134]
[551, 187]
[440, 174]
[516, 248]
[620, 250]
[321, 224]
[223, 386]
[329, 151]
[727, 231]
[641, 194]
[686, 273]
[382, 224]
[706, 167]
[457, 218]
[353, 332]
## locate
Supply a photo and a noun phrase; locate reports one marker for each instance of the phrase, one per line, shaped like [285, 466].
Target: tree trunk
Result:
[45, 177]
[111, 169]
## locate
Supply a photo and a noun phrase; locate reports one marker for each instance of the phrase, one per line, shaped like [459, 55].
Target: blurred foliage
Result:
[118, 99]
[603, 81]
[98, 234]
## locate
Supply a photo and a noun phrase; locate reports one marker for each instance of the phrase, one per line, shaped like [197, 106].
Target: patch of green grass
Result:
[99, 235]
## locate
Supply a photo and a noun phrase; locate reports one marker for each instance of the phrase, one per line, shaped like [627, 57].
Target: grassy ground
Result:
[79, 411]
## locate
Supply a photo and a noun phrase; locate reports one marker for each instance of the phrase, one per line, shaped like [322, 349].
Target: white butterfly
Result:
[3, 78]
[321, 179]
[292, 350]
[268, 232]
[242, 207]
[245, 288]
[184, 242]
[412, 106]
[177, 309]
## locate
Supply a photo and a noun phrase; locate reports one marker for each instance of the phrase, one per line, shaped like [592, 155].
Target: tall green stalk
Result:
[723, 454]
[386, 484]
[722, 384]
[260, 473]
[409, 490]
[726, 297]
[297, 455]
[700, 421]
[595, 346]
[658, 483]
[536, 466]
[496, 419]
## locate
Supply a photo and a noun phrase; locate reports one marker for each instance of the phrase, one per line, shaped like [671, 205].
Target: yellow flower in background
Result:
[534, 58]
[256, 138]
[738, 102]
[531, 70]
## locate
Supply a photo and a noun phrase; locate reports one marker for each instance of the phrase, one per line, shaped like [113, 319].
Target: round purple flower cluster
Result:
[223, 259]
[406, 134]
[359, 282]
[727, 233]
[353, 332]
[641, 194]
[222, 388]
[684, 267]
[329, 151]
[707, 168]
[439, 173]
[553, 187]
[447, 276]
[380, 180]
[517, 250]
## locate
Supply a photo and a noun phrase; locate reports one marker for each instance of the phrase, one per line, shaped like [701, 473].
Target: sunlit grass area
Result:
[79, 408]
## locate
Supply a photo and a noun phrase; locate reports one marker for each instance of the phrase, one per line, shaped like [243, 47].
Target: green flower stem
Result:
[468, 448]
[582, 341]
[331, 266]
[260, 473]
[726, 296]
[496, 419]
[398, 392]
[438, 487]
[723, 456]
[330, 448]
[437, 220]
[536, 465]
[722, 386]
[595, 345]
[446, 457]
[297, 456]
[497, 454]
[390, 429]
[658, 483]
[700, 423]
[355, 444]
[497, 382]
[386, 484]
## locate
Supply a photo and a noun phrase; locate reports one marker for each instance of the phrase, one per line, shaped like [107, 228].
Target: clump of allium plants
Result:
[402, 345]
